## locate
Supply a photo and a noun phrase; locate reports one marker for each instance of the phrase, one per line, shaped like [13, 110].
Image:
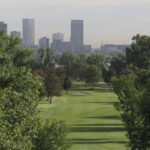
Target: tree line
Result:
[132, 85]
[21, 90]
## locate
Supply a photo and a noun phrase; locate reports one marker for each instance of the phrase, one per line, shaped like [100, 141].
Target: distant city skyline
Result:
[107, 21]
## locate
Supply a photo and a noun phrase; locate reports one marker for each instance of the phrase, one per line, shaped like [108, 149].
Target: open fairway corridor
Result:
[94, 123]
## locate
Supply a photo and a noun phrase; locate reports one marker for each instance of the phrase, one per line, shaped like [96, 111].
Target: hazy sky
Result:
[108, 21]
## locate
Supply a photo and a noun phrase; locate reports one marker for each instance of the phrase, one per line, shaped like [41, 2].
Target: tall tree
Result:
[101, 61]
[134, 106]
[118, 63]
[18, 109]
[67, 83]
[69, 61]
[129, 99]
[47, 59]
[139, 53]
[107, 75]
[93, 75]
[53, 81]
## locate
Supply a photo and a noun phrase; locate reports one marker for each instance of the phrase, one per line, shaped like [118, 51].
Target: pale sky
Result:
[107, 21]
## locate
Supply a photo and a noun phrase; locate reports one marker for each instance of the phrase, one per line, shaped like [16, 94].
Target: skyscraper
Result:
[58, 36]
[77, 31]
[3, 26]
[15, 34]
[44, 42]
[28, 32]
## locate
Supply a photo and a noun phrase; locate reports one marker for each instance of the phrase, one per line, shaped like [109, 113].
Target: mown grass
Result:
[94, 123]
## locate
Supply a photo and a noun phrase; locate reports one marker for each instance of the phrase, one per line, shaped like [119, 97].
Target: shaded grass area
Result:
[93, 121]
[96, 141]
[97, 129]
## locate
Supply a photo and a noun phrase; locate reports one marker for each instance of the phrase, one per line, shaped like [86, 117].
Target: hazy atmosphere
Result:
[108, 21]
[74, 74]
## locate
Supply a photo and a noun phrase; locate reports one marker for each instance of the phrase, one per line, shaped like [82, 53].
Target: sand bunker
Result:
[81, 94]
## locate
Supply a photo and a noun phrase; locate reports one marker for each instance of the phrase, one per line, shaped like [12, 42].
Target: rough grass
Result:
[94, 123]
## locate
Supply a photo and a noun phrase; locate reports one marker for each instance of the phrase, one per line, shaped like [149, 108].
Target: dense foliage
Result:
[18, 111]
[133, 90]
[67, 83]
[139, 53]
[20, 93]
[93, 75]
[53, 81]
[52, 136]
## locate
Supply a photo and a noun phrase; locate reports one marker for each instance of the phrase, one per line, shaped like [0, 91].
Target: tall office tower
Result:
[58, 36]
[15, 34]
[3, 26]
[77, 35]
[28, 32]
[44, 42]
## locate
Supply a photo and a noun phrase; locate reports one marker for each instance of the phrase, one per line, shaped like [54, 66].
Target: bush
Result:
[52, 136]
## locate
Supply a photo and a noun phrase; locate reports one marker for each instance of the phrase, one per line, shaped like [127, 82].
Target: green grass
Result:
[92, 118]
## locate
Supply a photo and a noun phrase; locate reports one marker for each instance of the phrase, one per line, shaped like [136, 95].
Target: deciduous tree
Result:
[139, 53]
[93, 75]
[67, 83]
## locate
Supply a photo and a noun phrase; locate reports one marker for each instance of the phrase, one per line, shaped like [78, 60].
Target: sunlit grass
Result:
[94, 123]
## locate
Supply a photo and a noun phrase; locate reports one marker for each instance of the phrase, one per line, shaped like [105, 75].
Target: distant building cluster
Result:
[113, 50]
[15, 34]
[58, 45]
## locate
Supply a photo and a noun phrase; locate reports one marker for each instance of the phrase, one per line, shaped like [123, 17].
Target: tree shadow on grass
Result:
[106, 103]
[94, 90]
[102, 124]
[104, 90]
[102, 85]
[97, 129]
[96, 141]
[104, 117]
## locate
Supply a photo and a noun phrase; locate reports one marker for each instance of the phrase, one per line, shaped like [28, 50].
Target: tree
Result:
[135, 109]
[93, 75]
[70, 62]
[118, 63]
[53, 81]
[145, 113]
[46, 59]
[52, 136]
[82, 71]
[20, 93]
[67, 83]
[101, 61]
[107, 75]
[129, 99]
[139, 53]
[16, 55]
[18, 109]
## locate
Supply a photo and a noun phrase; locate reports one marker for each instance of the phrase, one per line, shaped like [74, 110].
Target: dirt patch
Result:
[81, 94]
